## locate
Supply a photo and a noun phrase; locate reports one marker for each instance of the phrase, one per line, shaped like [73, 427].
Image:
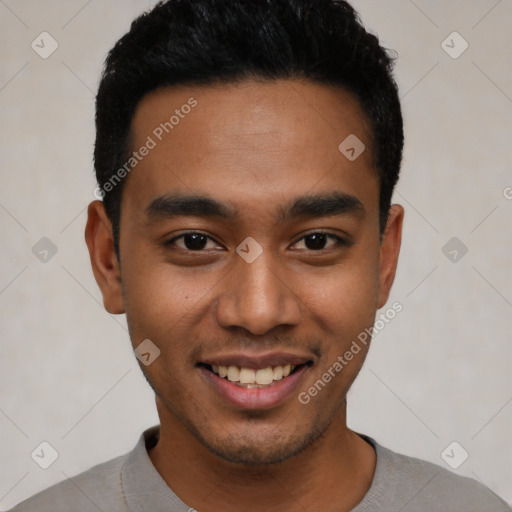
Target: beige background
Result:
[440, 372]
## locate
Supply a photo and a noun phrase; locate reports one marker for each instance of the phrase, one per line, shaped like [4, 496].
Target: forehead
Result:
[251, 143]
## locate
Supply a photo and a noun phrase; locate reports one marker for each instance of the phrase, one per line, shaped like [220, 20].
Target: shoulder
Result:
[418, 485]
[91, 490]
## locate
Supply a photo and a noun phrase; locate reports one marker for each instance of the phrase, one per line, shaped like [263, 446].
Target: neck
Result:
[333, 474]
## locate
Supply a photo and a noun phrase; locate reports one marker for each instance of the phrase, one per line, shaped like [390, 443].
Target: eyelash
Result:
[340, 242]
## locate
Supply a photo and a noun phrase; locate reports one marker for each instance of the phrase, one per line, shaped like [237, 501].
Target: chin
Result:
[258, 448]
[256, 453]
[250, 439]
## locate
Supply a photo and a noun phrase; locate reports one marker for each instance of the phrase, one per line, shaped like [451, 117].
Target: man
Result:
[246, 154]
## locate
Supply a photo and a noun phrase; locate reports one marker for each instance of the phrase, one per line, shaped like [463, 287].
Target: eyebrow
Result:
[320, 205]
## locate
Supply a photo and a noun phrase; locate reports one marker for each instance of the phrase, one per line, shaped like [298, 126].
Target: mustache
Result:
[257, 344]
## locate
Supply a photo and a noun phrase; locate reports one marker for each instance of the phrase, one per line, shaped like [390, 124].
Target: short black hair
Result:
[204, 42]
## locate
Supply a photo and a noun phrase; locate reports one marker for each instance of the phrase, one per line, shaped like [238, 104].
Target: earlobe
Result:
[105, 266]
[389, 252]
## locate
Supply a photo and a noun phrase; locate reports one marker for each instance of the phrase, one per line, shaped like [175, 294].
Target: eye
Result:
[197, 242]
[192, 241]
[319, 241]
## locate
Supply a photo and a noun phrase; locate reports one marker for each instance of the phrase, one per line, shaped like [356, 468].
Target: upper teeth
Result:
[262, 376]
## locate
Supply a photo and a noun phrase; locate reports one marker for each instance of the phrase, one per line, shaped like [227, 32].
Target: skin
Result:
[256, 146]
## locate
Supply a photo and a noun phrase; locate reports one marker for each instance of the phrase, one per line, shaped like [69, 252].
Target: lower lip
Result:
[255, 398]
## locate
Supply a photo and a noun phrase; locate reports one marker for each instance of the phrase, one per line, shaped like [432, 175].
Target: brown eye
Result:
[192, 242]
[316, 241]
[195, 241]
[319, 241]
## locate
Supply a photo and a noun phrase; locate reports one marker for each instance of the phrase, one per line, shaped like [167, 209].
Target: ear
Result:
[100, 242]
[389, 251]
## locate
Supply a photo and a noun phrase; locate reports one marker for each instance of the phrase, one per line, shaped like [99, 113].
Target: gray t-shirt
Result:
[130, 483]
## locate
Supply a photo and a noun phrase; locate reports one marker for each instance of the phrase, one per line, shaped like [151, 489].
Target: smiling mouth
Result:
[254, 378]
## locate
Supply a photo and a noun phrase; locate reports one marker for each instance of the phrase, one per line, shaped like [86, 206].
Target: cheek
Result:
[343, 306]
[345, 295]
[162, 300]
[148, 295]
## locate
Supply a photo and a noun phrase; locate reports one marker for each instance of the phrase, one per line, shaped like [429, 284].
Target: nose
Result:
[257, 298]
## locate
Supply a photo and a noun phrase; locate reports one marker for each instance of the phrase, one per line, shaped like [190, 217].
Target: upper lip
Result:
[257, 361]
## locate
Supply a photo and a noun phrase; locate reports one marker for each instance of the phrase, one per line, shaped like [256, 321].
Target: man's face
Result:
[252, 168]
